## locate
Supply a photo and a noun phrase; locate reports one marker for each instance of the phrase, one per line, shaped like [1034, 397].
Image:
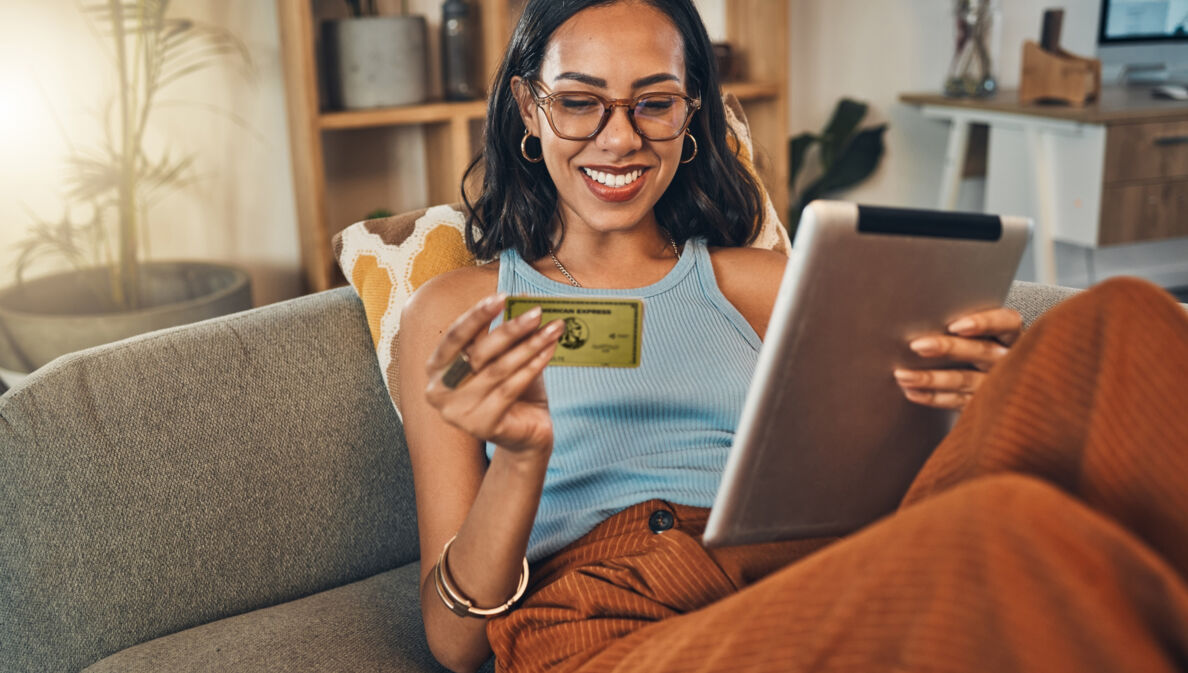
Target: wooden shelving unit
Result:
[338, 160]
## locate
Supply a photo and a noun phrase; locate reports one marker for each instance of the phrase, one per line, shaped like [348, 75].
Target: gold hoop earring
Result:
[524, 149]
[691, 156]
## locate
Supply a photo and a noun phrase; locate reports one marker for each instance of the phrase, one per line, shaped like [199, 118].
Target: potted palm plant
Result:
[111, 292]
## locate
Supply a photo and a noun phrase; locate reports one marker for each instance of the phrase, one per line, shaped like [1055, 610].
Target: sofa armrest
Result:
[1031, 300]
[194, 473]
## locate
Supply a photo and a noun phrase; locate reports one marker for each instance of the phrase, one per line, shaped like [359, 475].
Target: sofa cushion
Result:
[187, 475]
[373, 626]
[387, 259]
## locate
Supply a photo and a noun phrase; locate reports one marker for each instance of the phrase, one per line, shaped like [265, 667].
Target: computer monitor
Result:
[1143, 41]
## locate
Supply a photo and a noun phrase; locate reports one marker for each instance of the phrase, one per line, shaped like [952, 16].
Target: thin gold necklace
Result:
[573, 281]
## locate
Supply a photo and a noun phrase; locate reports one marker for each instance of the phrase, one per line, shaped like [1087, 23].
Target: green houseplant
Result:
[114, 182]
[845, 156]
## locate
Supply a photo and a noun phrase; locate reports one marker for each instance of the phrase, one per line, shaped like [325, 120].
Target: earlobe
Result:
[526, 105]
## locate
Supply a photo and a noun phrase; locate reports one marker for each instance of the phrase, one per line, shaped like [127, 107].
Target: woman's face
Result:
[615, 51]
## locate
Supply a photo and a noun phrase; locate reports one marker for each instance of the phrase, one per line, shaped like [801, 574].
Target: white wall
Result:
[874, 50]
[713, 15]
[240, 209]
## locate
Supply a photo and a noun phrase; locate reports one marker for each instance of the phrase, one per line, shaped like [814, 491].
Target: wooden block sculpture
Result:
[1058, 76]
[1053, 75]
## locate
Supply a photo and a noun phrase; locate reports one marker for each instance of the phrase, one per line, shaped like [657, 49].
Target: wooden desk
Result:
[1112, 172]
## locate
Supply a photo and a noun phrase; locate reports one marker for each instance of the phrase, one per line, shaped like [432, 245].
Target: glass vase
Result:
[971, 72]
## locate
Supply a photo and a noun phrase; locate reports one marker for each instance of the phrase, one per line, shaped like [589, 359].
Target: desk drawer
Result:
[1156, 150]
[1132, 213]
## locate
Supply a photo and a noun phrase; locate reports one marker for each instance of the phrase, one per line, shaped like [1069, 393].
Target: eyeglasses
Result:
[575, 115]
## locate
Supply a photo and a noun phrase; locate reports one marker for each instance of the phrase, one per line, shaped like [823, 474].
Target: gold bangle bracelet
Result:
[463, 606]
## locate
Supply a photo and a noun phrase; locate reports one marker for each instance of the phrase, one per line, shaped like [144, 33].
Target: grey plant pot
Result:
[375, 61]
[65, 312]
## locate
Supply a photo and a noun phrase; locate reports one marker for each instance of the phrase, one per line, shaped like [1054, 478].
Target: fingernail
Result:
[925, 346]
[555, 327]
[529, 316]
[906, 376]
[494, 300]
[962, 325]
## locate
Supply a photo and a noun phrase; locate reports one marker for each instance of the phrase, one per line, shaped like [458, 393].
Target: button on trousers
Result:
[1048, 532]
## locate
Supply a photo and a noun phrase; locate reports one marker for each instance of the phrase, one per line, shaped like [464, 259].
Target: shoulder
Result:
[747, 261]
[445, 297]
[749, 278]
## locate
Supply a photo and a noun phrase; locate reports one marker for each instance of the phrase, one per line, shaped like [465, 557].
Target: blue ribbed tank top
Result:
[662, 430]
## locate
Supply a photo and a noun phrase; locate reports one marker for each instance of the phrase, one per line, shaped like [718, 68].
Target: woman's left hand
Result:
[979, 339]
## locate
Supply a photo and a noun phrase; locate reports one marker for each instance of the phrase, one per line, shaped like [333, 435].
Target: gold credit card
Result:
[598, 332]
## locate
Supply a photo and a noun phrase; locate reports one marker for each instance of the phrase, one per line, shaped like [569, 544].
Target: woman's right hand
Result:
[503, 401]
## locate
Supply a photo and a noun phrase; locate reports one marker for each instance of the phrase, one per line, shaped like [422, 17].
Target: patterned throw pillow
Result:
[387, 259]
[773, 235]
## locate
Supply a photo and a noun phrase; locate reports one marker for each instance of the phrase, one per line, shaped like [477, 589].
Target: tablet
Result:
[827, 442]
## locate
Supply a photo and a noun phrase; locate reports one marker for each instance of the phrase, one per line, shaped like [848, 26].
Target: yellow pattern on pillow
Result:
[387, 259]
[444, 250]
[374, 288]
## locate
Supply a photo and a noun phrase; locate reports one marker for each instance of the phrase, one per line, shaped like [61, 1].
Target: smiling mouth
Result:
[613, 180]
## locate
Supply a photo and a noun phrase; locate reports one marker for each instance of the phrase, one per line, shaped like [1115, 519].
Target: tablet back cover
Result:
[827, 442]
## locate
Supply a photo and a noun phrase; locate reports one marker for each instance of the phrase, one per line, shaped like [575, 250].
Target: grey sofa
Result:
[233, 495]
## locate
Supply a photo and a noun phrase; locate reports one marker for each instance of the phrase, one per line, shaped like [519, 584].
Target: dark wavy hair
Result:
[713, 196]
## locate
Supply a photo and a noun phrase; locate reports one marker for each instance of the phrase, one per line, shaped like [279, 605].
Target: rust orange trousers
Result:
[1048, 532]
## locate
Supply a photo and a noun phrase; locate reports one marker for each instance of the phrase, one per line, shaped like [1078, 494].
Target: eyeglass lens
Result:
[657, 116]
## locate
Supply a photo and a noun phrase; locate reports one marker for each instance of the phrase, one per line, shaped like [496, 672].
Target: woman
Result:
[577, 469]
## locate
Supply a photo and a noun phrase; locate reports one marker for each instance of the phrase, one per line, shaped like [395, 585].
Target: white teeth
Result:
[612, 180]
